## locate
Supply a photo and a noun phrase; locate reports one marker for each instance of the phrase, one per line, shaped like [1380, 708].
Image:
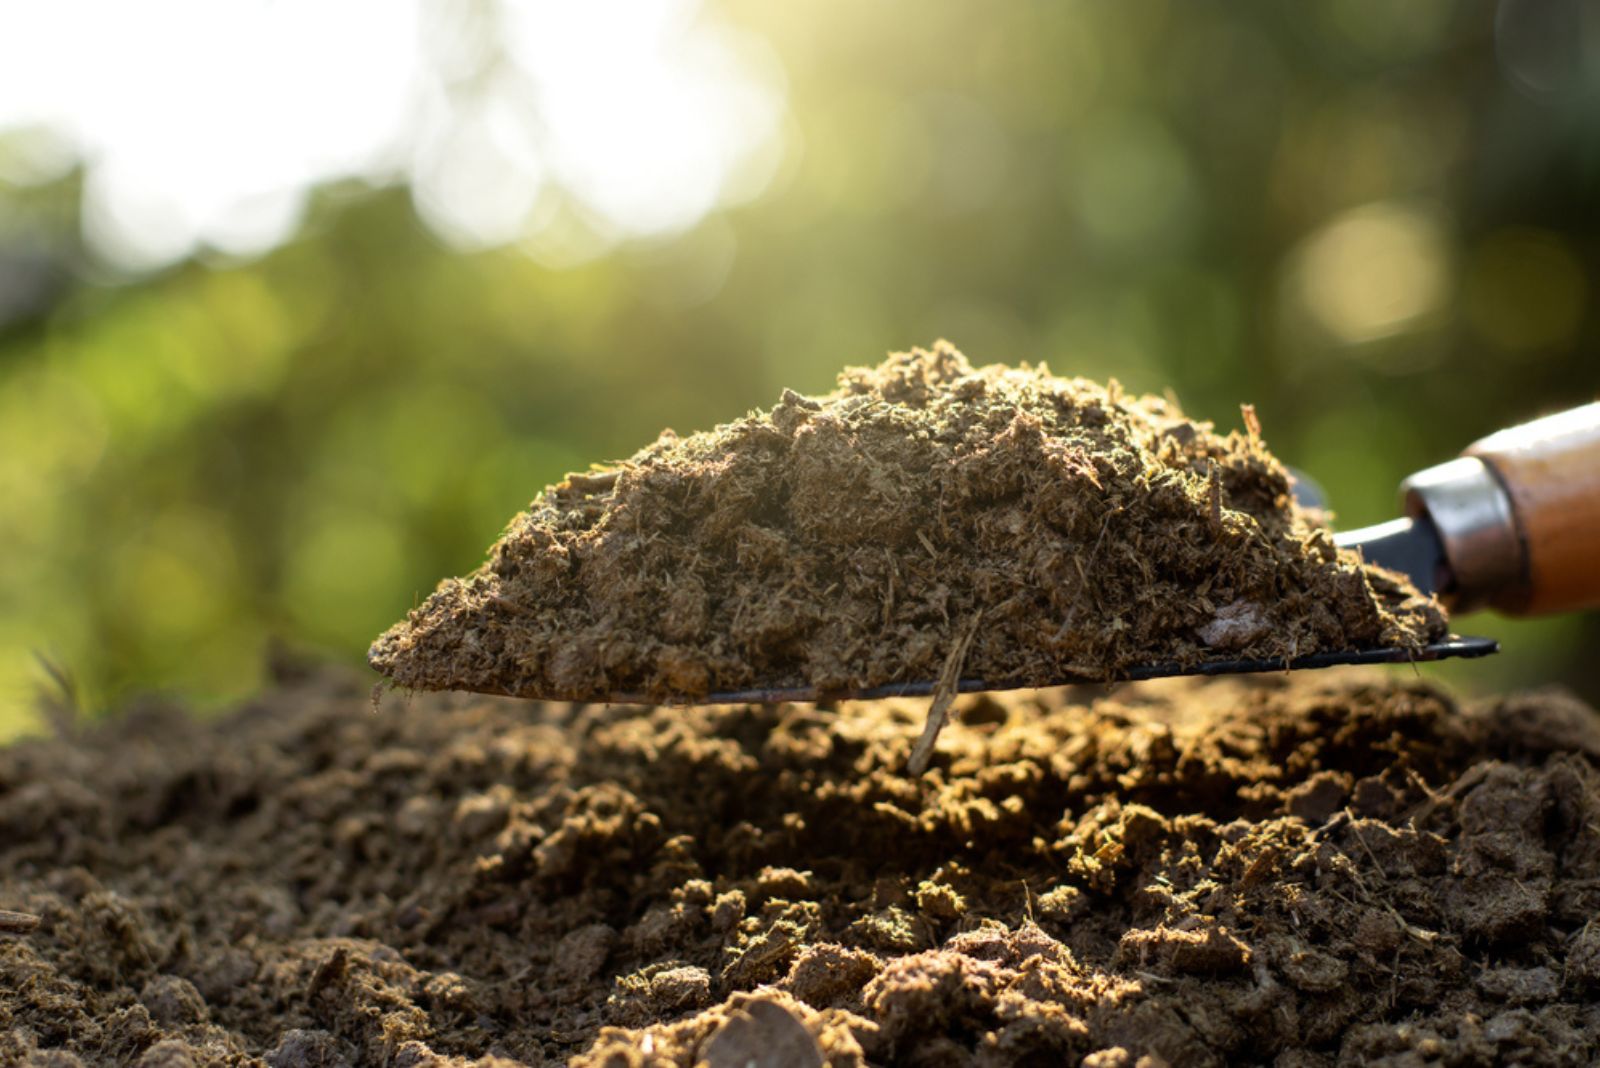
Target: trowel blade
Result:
[1453, 647]
[1409, 546]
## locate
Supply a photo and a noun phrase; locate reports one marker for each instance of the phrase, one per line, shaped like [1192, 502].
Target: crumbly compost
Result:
[853, 540]
[1340, 869]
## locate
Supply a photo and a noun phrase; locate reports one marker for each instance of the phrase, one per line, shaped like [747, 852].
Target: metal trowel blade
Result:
[1452, 647]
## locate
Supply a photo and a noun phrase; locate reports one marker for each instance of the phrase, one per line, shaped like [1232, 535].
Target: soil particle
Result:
[307, 1049]
[1325, 870]
[762, 1033]
[1024, 528]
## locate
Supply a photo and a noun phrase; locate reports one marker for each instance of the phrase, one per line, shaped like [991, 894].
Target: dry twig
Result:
[17, 922]
[944, 693]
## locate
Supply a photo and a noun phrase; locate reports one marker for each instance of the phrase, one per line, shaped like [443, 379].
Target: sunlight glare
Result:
[648, 110]
[204, 125]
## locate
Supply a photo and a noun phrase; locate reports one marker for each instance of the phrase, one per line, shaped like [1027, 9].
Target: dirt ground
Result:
[1341, 868]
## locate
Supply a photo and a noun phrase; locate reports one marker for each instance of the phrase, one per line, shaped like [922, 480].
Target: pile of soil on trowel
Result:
[1291, 871]
[1042, 529]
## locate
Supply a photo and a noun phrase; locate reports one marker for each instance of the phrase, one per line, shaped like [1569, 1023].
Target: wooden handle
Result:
[1551, 470]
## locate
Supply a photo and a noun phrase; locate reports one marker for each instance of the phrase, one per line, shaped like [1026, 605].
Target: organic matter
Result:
[1339, 868]
[1051, 529]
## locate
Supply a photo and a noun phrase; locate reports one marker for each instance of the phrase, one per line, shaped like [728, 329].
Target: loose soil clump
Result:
[857, 540]
[1340, 868]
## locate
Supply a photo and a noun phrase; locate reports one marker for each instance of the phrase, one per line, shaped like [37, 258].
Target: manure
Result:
[853, 540]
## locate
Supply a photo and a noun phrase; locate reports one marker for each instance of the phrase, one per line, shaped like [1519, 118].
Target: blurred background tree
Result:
[300, 303]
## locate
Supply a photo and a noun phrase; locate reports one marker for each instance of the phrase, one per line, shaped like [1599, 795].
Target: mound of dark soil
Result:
[857, 540]
[1346, 869]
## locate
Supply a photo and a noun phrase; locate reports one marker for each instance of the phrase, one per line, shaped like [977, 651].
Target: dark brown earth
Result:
[856, 540]
[1334, 868]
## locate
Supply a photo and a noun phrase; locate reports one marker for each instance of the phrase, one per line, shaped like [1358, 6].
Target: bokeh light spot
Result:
[1374, 271]
[477, 179]
[646, 109]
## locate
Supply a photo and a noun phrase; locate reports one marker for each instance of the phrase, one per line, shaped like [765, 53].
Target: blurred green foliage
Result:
[1364, 217]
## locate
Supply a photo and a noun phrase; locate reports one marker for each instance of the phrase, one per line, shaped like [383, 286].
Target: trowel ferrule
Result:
[1477, 526]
